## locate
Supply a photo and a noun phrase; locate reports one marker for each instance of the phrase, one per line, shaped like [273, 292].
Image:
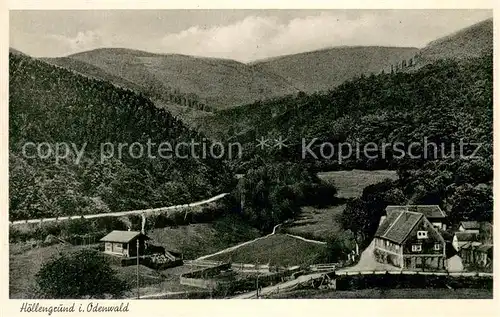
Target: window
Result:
[437, 247]
[422, 234]
[416, 248]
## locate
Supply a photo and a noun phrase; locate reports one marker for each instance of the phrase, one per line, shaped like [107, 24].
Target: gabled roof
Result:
[429, 211]
[470, 225]
[122, 236]
[398, 225]
[466, 236]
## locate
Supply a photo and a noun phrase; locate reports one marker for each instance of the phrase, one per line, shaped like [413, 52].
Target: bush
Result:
[79, 274]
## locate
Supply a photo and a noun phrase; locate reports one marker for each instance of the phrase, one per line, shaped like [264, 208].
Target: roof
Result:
[466, 236]
[471, 245]
[470, 225]
[429, 211]
[398, 225]
[122, 236]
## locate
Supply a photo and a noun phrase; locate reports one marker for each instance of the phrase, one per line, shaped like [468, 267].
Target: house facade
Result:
[409, 240]
[124, 243]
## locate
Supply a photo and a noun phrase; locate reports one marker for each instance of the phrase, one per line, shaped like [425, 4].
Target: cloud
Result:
[261, 37]
[257, 37]
[82, 41]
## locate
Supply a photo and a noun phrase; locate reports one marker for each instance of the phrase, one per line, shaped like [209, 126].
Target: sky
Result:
[242, 35]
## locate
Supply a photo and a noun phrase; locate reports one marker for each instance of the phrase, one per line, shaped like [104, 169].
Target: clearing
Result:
[350, 184]
[319, 223]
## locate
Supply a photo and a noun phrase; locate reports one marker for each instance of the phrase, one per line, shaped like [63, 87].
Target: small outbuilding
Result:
[469, 226]
[124, 243]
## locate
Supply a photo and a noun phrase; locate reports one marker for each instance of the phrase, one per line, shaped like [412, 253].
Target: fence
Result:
[204, 278]
[327, 267]
[253, 268]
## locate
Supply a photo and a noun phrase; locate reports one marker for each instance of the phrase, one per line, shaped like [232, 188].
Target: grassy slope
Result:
[221, 83]
[326, 68]
[276, 250]
[25, 262]
[200, 239]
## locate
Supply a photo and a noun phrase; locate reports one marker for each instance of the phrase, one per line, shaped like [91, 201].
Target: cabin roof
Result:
[466, 236]
[470, 225]
[429, 211]
[398, 225]
[122, 236]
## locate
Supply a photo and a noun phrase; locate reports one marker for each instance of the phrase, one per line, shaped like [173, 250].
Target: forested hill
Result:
[443, 101]
[215, 83]
[323, 69]
[51, 104]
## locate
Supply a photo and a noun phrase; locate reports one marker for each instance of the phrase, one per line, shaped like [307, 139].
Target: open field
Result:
[350, 184]
[464, 293]
[277, 249]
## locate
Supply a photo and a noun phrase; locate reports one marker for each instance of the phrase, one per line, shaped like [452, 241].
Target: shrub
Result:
[79, 274]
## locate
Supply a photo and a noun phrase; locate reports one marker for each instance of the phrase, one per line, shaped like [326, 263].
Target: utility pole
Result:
[257, 280]
[138, 296]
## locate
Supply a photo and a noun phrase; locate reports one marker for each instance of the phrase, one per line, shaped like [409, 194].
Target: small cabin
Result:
[460, 239]
[124, 243]
[469, 226]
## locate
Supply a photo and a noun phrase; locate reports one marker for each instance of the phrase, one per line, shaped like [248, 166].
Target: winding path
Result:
[121, 213]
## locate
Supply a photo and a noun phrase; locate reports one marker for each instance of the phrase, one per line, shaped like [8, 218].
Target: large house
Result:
[432, 212]
[407, 239]
[124, 243]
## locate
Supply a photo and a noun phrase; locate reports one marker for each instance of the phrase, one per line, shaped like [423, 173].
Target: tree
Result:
[79, 274]
[471, 203]
[274, 192]
[362, 215]
[338, 247]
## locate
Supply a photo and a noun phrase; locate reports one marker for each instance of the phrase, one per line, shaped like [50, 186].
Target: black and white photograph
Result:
[248, 154]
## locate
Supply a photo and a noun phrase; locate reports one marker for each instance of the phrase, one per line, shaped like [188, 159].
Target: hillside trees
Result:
[274, 192]
[53, 105]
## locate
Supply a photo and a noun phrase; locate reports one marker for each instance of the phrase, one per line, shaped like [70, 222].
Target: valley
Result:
[198, 226]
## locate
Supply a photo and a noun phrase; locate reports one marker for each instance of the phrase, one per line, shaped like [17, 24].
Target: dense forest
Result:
[50, 104]
[446, 103]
